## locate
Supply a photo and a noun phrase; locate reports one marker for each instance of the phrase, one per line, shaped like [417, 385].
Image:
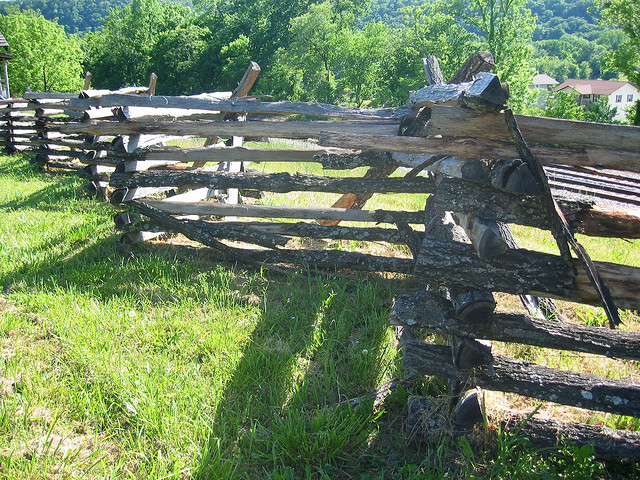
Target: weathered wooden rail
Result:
[453, 145]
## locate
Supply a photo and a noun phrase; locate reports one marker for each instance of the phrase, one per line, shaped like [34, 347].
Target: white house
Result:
[543, 84]
[620, 94]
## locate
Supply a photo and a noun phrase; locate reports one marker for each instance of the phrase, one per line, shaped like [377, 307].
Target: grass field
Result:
[172, 363]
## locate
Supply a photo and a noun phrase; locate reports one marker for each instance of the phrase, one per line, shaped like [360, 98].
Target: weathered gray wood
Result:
[262, 211]
[473, 303]
[330, 157]
[222, 230]
[474, 198]
[485, 235]
[195, 234]
[454, 146]
[132, 166]
[49, 96]
[559, 226]
[356, 200]
[132, 91]
[296, 129]
[123, 195]
[311, 230]
[455, 264]
[315, 258]
[525, 378]
[432, 70]
[299, 229]
[437, 94]
[523, 271]
[483, 92]
[245, 106]
[99, 113]
[431, 311]
[246, 82]
[282, 182]
[586, 191]
[347, 161]
[602, 221]
[131, 143]
[463, 122]
[151, 114]
[476, 63]
[607, 443]
[335, 260]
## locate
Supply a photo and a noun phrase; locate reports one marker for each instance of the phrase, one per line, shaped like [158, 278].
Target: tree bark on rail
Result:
[525, 378]
[523, 271]
[263, 211]
[428, 310]
[607, 443]
[282, 182]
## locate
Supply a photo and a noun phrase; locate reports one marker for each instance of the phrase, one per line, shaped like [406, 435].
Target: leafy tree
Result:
[45, 58]
[565, 105]
[506, 28]
[178, 58]
[600, 111]
[427, 30]
[122, 54]
[314, 47]
[362, 53]
[77, 16]
[626, 15]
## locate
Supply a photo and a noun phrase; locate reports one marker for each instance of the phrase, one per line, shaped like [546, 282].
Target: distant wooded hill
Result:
[555, 17]
[76, 16]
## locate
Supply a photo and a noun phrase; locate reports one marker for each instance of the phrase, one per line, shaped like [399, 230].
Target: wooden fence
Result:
[456, 145]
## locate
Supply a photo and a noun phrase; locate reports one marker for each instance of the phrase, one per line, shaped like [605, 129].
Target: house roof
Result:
[3, 41]
[591, 87]
[543, 79]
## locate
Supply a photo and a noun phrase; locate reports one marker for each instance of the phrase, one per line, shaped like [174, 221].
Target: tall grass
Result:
[172, 363]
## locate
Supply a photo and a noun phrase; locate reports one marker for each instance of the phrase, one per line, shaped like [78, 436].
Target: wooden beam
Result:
[431, 311]
[543, 130]
[325, 156]
[607, 443]
[301, 129]
[261, 211]
[466, 147]
[525, 378]
[244, 106]
[523, 271]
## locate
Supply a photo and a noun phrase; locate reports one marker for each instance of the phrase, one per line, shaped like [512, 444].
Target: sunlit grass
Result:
[172, 363]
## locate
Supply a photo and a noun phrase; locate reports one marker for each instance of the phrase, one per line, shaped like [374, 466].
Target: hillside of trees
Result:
[341, 51]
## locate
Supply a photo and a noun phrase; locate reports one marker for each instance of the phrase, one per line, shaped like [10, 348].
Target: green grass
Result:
[172, 363]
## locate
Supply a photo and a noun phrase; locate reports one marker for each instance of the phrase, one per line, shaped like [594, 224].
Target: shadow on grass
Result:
[317, 341]
[48, 197]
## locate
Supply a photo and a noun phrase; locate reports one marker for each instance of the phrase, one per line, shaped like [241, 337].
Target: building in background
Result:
[620, 95]
[543, 85]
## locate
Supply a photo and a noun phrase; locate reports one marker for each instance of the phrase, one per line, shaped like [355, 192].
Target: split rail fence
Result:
[456, 145]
